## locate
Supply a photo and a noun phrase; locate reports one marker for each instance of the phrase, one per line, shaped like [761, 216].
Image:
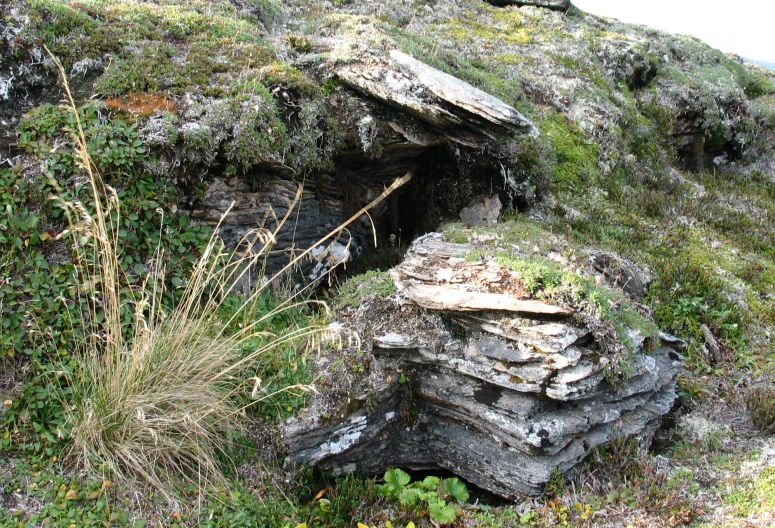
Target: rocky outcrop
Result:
[402, 116]
[560, 5]
[476, 376]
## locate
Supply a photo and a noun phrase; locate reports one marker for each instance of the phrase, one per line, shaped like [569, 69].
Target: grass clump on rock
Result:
[157, 399]
[360, 287]
[606, 311]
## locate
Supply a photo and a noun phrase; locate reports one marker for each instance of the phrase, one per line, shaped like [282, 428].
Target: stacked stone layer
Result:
[500, 395]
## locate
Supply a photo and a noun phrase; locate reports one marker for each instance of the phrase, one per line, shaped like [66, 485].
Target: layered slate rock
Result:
[310, 216]
[465, 371]
[560, 5]
[440, 99]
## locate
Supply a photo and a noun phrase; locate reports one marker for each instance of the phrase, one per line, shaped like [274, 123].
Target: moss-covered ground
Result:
[655, 147]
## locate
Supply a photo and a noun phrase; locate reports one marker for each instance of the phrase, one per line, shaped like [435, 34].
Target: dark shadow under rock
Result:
[399, 116]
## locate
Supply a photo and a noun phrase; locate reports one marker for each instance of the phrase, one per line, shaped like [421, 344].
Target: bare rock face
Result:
[621, 273]
[560, 5]
[469, 373]
[482, 212]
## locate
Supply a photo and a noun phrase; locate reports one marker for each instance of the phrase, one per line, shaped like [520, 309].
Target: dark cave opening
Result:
[698, 152]
[446, 178]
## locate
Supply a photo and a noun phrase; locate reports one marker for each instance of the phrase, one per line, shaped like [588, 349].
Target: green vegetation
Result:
[576, 159]
[78, 32]
[438, 495]
[299, 43]
[212, 51]
[361, 287]
[153, 397]
[115, 143]
[135, 367]
[761, 404]
[511, 30]
[755, 495]
[202, 87]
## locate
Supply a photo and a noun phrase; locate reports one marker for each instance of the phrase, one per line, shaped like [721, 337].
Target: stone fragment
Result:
[482, 212]
[621, 273]
[437, 297]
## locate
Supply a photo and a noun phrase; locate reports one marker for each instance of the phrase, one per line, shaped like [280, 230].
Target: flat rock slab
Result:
[560, 5]
[436, 297]
[465, 113]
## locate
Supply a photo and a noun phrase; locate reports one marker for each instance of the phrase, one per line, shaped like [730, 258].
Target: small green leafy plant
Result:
[352, 293]
[442, 497]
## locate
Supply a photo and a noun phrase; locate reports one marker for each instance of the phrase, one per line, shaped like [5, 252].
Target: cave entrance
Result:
[699, 153]
[447, 177]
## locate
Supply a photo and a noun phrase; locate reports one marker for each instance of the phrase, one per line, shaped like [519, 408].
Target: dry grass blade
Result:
[156, 400]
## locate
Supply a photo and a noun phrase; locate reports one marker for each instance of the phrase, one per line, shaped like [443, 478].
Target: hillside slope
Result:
[652, 146]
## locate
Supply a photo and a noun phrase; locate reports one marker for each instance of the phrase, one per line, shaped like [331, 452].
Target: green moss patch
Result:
[361, 287]
[576, 157]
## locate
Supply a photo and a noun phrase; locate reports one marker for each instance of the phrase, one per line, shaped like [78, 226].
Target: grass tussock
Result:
[159, 390]
[162, 402]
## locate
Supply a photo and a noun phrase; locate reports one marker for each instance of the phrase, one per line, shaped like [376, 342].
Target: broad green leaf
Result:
[441, 512]
[430, 482]
[455, 487]
[410, 496]
[397, 476]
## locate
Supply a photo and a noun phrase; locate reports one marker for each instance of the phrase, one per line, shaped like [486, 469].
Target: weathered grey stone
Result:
[482, 212]
[501, 402]
[621, 273]
[560, 5]
[463, 111]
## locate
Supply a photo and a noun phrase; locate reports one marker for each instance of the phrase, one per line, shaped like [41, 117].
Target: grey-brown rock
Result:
[496, 395]
[482, 212]
[444, 101]
[561, 5]
[621, 273]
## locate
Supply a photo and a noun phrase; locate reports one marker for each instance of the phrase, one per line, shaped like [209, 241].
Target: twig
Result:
[387, 192]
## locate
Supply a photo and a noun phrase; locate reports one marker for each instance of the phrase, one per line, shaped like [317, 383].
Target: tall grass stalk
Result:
[157, 400]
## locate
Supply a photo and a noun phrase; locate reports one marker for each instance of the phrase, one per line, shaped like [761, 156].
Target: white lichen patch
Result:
[699, 428]
[343, 439]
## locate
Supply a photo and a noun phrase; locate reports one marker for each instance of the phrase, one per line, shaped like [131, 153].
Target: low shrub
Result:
[761, 405]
